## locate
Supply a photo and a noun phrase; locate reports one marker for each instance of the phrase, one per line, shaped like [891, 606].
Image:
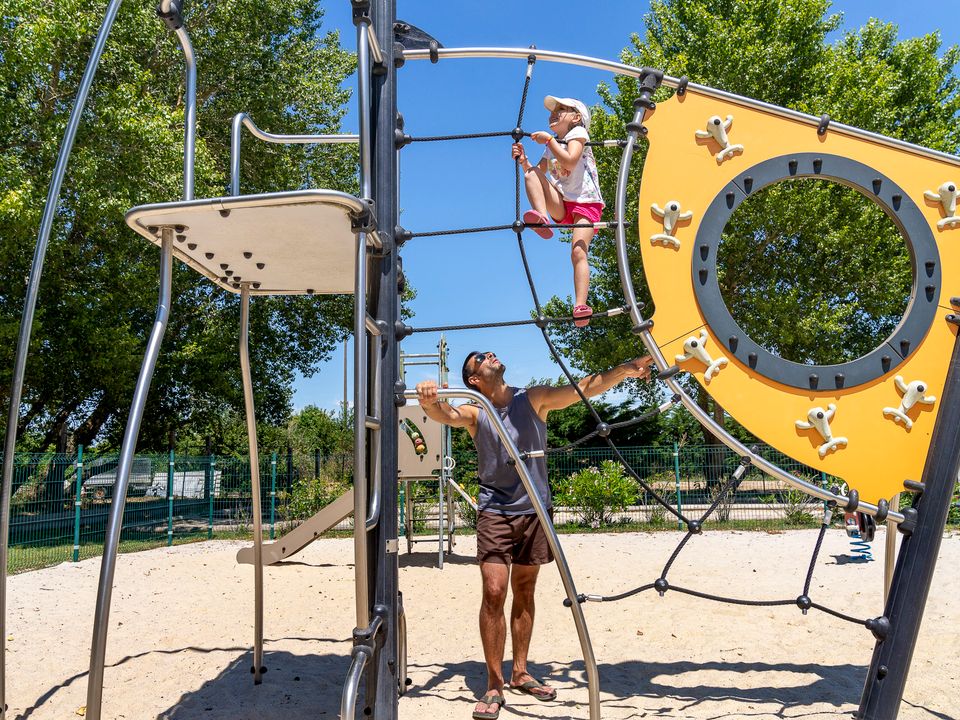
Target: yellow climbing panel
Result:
[868, 422]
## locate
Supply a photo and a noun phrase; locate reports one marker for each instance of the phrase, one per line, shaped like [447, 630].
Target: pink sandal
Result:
[532, 218]
[582, 314]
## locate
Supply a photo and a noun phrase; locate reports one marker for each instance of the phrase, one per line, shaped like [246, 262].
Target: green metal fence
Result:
[61, 502]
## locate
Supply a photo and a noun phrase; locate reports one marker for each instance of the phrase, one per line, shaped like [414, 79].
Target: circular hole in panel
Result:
[814, 271]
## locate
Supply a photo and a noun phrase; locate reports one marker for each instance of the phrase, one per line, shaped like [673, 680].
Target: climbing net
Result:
[879, 626]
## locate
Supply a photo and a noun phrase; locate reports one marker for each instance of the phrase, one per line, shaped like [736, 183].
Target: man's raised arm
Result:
[444, 412]
[546, 398]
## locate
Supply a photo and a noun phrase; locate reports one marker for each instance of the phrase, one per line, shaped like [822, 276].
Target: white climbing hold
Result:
[913, 393]
[693, 347]
[946, 195]
[717, 129]
[670, 215]
[819, 419]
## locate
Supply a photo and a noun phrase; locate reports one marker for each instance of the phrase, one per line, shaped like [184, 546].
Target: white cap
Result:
[550, 103]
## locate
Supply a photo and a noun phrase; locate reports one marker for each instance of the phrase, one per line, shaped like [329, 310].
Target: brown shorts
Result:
[507, 539]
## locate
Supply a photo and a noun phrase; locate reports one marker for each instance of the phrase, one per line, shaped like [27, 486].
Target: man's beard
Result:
[501, 370]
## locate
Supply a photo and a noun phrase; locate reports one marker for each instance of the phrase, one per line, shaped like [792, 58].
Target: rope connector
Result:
[517, 134]
[518, 226]
[668, 373]
[643, 327]
[402, 234]
[883, 509]
[603, 429]
[824, 124]
[694, 527]
[804, 603]
[879, 626]
[909, 524]
[401, 139]
[661, 586]
[541, 321]
[402, 330]
[581, 599]
[399, 388]
[853, 501]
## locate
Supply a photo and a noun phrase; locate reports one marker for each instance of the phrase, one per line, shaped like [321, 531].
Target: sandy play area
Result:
[179, 643]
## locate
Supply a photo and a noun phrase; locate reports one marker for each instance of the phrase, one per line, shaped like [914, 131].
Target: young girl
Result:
[563, 188]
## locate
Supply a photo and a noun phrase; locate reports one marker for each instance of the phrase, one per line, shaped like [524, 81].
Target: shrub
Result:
[309, 495]
[664, 485]
[467, 514]
[598, 494]
[798, 507]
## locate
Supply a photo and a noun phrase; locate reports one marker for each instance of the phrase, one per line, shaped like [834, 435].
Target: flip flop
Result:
[530, 685]
[582, 315]
[532, 218]
[489, 699]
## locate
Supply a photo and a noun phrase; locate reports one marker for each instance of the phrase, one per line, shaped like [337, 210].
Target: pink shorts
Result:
[590, 211]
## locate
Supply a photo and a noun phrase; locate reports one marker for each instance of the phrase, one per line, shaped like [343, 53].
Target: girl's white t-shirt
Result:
[582, 184]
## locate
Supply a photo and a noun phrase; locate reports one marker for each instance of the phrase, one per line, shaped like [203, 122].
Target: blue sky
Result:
[479, 278]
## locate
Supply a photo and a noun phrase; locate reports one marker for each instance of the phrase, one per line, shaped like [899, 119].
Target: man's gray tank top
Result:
[501, 491]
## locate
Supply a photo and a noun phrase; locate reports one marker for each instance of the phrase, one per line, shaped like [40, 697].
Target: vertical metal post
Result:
[676, 475]
[887, 676]
[273, 494]
[254, 483]
[170, 470]
[211, 486]
[383, 545]
[890, 549]
[77, 505]
[115, 523]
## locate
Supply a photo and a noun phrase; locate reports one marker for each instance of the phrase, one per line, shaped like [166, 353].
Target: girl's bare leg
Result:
[579, 247]
[543, 197]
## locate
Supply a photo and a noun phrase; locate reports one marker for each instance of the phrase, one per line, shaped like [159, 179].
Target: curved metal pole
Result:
[254, 483]
[348, 701]
[26, 322]
[589, 660]
[243, 120]
[190, 113]
[711, 425]
[115, 522]
[633, 71]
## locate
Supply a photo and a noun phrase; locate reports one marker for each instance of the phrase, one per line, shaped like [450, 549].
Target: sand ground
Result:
[181, 628]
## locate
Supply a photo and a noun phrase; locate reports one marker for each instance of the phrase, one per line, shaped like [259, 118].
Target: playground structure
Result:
[733, 146]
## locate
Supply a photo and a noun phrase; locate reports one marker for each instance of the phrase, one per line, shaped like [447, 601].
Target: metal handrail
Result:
[636, 72]
[243, 120]
[589, 660]
[351, 687]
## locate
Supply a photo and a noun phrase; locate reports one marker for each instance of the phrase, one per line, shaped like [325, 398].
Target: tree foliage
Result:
[814, 272]
[99, 288]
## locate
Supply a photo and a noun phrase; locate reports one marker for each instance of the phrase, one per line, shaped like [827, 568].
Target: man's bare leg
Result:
[524, 584]
[493, 626]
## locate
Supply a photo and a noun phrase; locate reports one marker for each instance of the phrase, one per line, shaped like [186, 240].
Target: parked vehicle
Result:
[188, 484]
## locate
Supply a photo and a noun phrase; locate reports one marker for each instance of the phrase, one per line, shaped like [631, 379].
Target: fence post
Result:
[213, 471]
[289, 467]
[273, 491]
[170, 498]
[676, 474]
[76, 505]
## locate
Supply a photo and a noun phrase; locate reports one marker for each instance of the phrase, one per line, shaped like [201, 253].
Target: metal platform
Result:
[288, 243]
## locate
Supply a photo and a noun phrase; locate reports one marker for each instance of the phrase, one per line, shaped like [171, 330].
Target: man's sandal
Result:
[530, 686]
[490, 698]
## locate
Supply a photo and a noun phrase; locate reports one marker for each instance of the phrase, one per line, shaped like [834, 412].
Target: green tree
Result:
[98, 295]
[779, 51]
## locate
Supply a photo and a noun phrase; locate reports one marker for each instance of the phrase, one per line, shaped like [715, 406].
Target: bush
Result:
[598, 494]
[467, 514]
[309, 495]
[664, 485]
[798, 507]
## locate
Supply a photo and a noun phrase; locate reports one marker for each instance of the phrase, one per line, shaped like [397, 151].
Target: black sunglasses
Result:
[480, 357]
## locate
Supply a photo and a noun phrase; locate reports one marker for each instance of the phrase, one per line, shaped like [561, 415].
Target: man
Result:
[511, 544]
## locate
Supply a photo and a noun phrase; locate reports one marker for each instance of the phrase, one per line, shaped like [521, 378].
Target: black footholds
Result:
[603, 429]
[179, 228]
[929, 290]
[804, 603]
[883, 509]
[814, 381]
[824, 124]
[853, 501]
[235, 286]
[661, 586]
[955, 301]
[792, 166]
[817, 165]
[208, 256]
[181, 238]
[192, 246]
[248, 255]
[153, 229]
[669, 373]
[879, 626]
[953, 319]
[732, 342]
[310, 291]
[914, 486]
[434, 52]
[227, 272]
[904, 347]
[885, 362]
[694, 527]
[401, 330]
[237, 278]
[518, 226]
[702, 274]
[682, 86]
[704, 252]
[838, 380]
[748, 184]
[752, 360]
[730, 198]
[909, 524]
[877, 184]
[224, 213]
[224, 266]
[896, 200]
[261, 266]
[224, 279]
[256, 286]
